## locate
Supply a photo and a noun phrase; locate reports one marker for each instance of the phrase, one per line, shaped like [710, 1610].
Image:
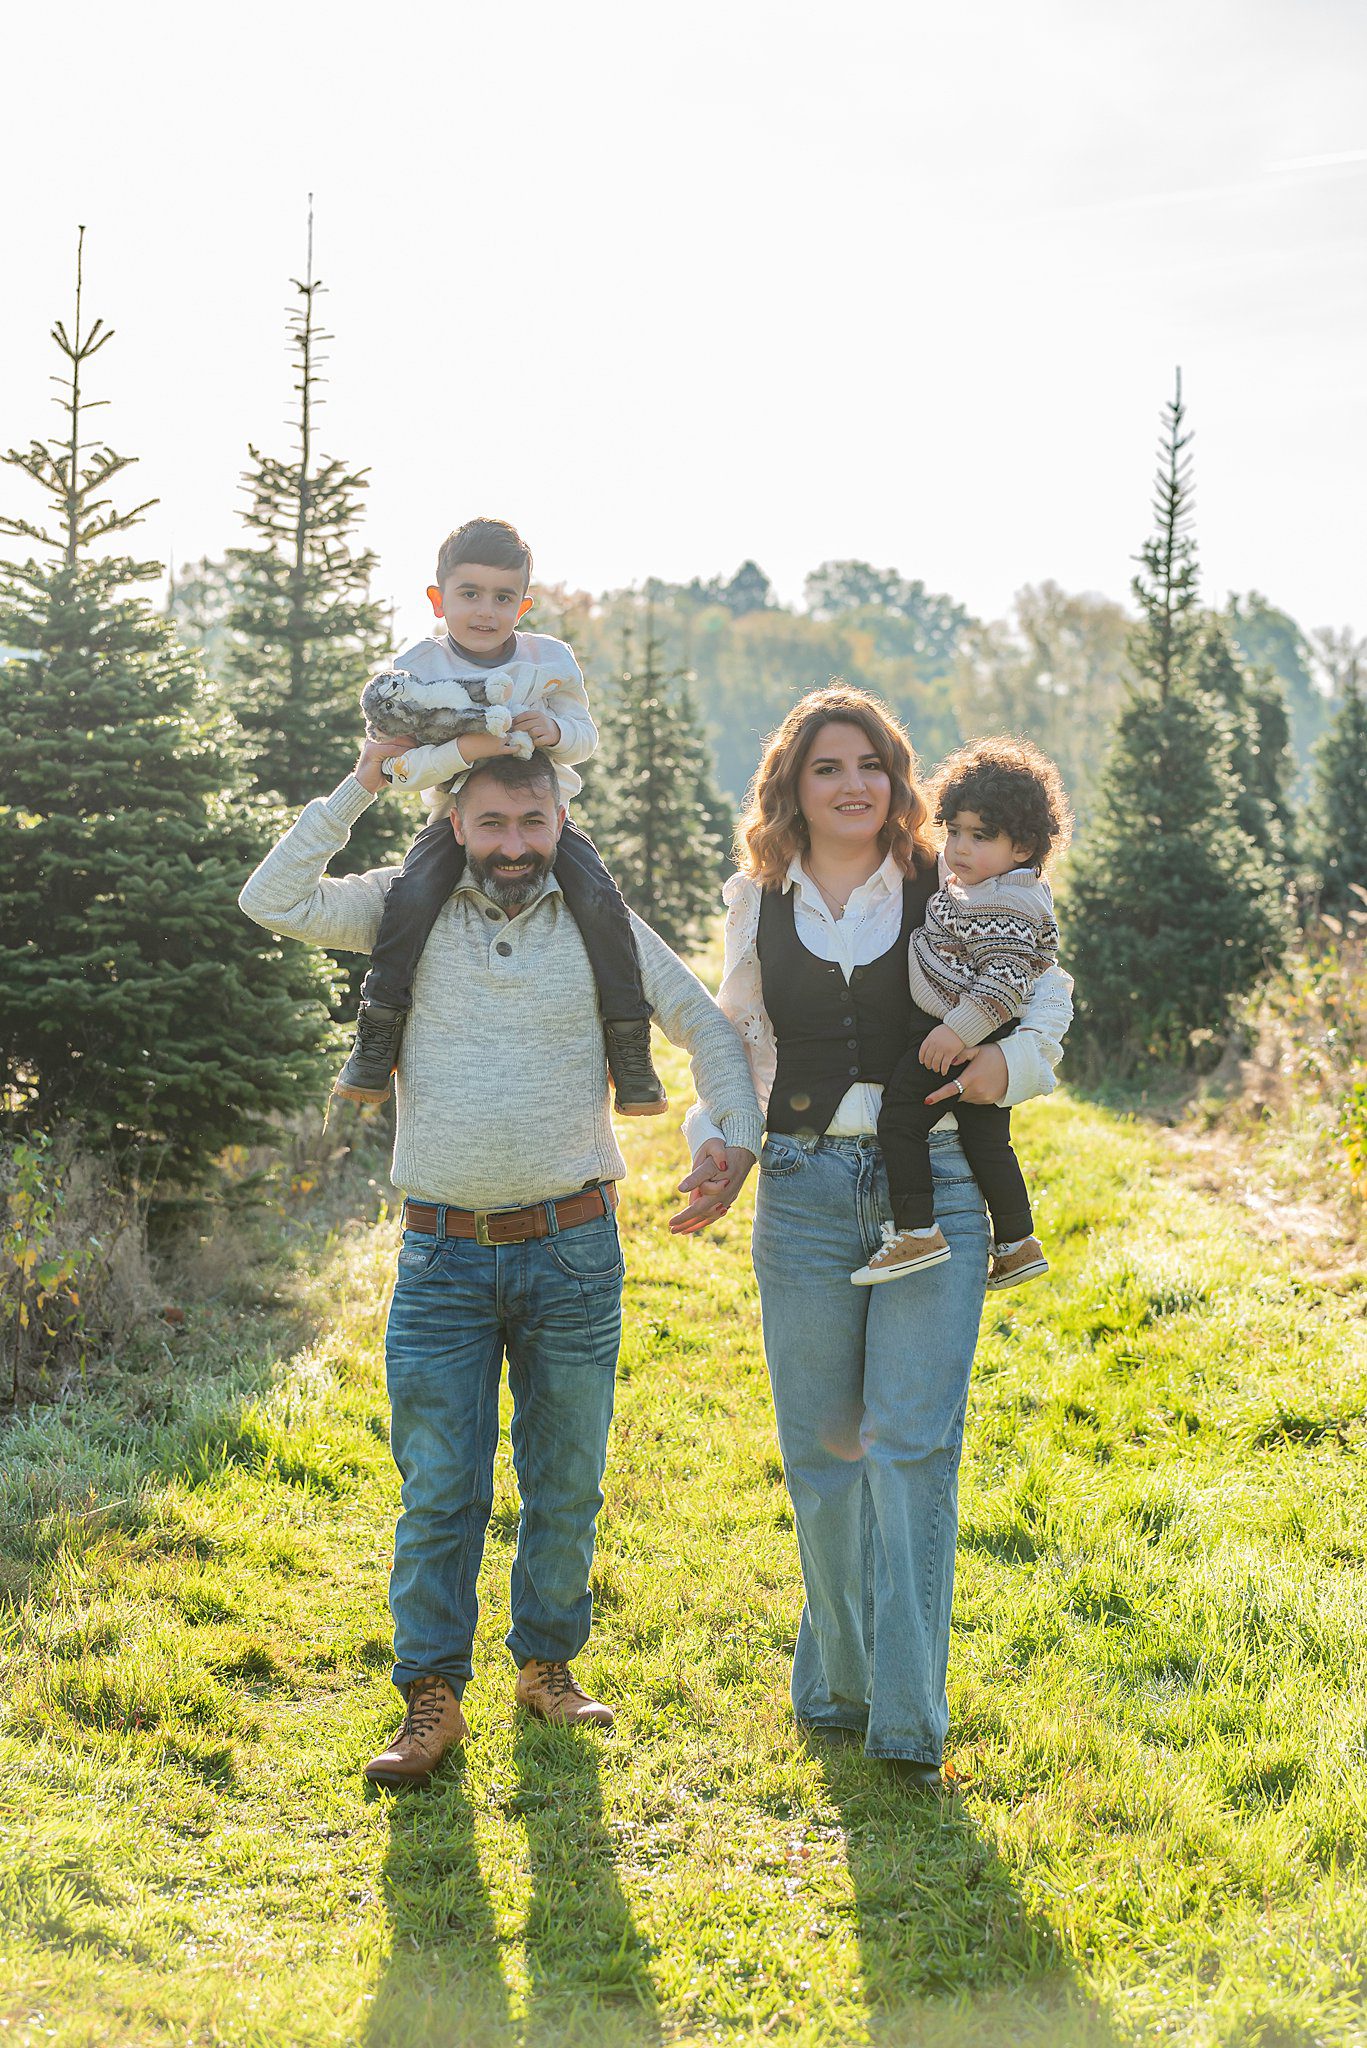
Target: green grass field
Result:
[1158, 1681]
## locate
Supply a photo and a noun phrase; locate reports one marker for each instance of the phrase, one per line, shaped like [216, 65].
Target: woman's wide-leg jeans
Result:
[870, 1386]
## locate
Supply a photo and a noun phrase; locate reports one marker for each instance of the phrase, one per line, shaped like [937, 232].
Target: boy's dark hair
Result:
[493, 543]
[1013, 788]
[512, 772]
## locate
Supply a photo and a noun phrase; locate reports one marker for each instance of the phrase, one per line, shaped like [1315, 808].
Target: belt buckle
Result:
[482, 1227]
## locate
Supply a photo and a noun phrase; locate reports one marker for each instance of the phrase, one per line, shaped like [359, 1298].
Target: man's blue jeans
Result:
[554, 1305]
[870, 1386]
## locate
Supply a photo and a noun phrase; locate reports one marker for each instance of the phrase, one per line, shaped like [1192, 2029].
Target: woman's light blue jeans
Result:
[870, 1386]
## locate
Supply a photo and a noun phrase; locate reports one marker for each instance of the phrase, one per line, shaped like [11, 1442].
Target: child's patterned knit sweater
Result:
[981, 950]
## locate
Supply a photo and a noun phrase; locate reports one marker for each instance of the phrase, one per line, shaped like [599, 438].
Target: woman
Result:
[869, 1385]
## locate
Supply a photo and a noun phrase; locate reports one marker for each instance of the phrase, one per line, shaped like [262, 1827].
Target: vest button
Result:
[854, 1073]
[853, 1044]
[848, 1023]
[503, 947]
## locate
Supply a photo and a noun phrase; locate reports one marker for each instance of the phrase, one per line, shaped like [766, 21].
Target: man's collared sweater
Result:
[502, 1081]
[982, 949]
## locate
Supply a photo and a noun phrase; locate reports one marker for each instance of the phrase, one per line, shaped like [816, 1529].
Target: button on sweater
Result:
[502, 1090]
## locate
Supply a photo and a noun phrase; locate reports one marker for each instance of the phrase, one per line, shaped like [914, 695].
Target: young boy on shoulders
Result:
[480, 596]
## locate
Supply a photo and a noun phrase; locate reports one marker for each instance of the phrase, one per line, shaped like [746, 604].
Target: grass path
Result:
[1159, 1683]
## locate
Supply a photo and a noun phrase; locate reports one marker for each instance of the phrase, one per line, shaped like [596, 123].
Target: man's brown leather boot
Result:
[549, 1691]
[433, 1724]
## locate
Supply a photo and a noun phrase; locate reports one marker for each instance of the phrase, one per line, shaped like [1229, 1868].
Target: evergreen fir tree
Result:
[135, 998]
[1166, 587]
[651, 800]
[1259, 739]
[1339, 803]
[309, 634]
[1174, 907]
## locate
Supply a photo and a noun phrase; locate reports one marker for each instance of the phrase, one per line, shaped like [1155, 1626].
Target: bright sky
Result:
[670, 285]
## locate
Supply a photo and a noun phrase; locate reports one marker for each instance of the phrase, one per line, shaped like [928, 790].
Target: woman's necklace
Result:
[835, 904]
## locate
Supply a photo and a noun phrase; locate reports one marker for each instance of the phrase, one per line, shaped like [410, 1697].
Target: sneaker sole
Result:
[1014, 1279]
[865, 1278]
[640, 1108]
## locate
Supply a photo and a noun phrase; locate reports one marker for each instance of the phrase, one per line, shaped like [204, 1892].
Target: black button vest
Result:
[830, 1032]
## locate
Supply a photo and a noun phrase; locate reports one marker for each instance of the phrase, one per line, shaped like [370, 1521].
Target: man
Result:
[505, 1152]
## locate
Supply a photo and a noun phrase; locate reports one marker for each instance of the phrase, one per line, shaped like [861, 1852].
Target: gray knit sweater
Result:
[502, 1082]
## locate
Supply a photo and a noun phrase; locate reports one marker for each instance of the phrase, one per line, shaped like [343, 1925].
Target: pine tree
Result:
[309, 634]
[1259, 739]
[1339, 803]
[1173, 909]
[1166, 587]
[651, 800]
[135, 999]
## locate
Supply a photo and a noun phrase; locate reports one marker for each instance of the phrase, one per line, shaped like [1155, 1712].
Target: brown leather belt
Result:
[511, 1226]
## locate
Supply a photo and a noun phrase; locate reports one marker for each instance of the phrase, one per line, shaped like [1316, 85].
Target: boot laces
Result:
[426, 1705]
[372, 1034]
[558, 1680]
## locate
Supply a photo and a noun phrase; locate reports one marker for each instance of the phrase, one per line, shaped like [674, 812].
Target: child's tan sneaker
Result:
[1009, 1269]
[900, 1253]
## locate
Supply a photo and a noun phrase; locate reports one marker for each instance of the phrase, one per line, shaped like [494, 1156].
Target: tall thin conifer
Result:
[1173, 908]
[308, 633]
[135, 999]
[651, 797]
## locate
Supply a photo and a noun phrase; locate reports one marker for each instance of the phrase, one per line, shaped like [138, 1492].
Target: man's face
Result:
[481, 606]
[510, 837]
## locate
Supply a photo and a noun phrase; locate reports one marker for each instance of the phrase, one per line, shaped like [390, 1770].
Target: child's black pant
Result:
[904, 1127]
[435, 864]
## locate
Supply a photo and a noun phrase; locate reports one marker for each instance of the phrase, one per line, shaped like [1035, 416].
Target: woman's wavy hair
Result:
[772, 828]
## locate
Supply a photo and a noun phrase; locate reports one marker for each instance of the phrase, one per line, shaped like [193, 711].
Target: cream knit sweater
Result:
[977, 957]
[502, 1081]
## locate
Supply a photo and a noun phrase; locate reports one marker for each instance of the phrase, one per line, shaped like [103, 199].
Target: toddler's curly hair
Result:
[1013, 788]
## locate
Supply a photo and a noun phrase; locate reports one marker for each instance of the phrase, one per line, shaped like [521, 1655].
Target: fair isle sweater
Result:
[981, 950]
[502, 1081]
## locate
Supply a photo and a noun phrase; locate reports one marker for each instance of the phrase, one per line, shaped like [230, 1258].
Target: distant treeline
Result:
[1055, 670]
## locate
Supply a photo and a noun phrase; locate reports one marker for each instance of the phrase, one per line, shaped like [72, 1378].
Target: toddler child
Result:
[989, 933]
[483, 570]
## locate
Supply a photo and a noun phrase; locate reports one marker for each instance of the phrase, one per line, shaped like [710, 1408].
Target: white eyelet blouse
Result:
[870, 925]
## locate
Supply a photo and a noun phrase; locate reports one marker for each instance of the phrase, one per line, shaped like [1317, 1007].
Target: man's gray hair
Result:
[512, 772]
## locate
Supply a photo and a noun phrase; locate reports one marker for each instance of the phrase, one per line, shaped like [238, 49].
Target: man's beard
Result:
[510, 892]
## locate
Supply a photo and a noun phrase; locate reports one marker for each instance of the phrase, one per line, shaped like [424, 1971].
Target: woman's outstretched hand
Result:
[718, 1176]
[984, 1079]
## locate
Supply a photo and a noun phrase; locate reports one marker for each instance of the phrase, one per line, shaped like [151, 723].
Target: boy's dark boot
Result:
[635, 1082]
[374, 1054]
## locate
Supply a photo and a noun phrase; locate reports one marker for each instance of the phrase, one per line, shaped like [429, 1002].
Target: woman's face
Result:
[844, 790]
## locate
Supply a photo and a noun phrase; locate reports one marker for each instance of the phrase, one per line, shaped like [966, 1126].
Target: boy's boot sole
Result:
[636, 1087]
[368, 1095]
[369, 1071]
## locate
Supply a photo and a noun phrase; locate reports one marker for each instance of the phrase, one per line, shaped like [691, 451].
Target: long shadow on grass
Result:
[949, 1951]
[443, 1985]
[588, 1967]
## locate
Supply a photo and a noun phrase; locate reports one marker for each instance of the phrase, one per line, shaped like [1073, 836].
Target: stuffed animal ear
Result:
[498, 690]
